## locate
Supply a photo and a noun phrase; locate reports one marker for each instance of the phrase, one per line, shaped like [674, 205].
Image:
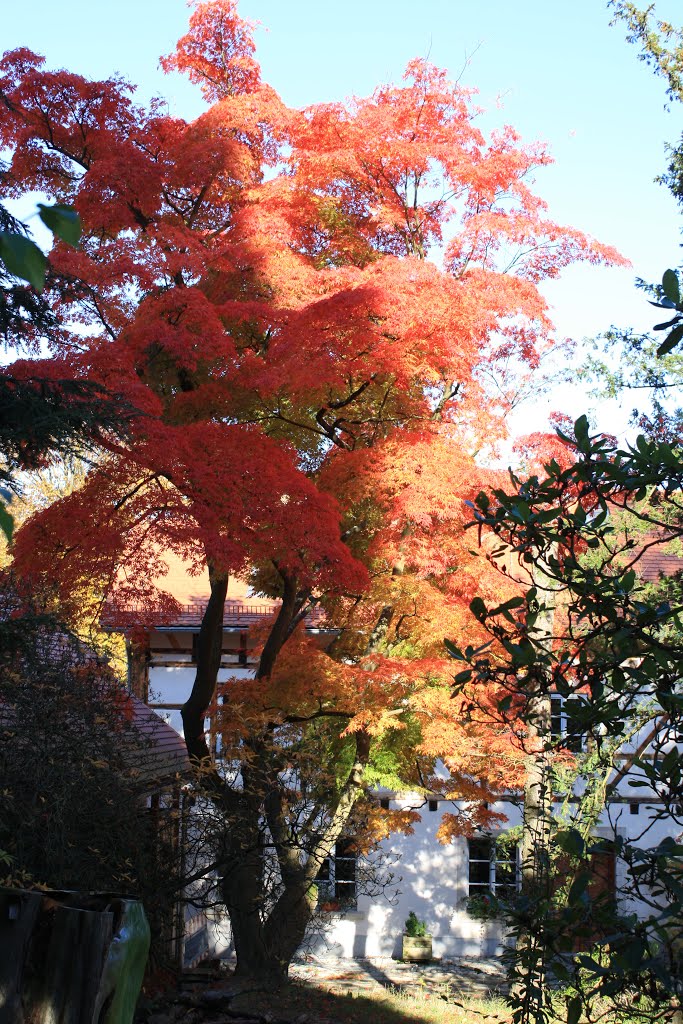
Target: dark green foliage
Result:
[25, 315]
[20, 254]
[62, 221]
[23, 258]
[73, 802]
[414, 927]
[42, 418]
[670, 299]
[620, 644]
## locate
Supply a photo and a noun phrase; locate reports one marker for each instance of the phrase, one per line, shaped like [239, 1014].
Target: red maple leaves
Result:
[305, 308]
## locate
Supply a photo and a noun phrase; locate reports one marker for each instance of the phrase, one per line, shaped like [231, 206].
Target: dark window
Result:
[433, 805]
[384, 803]
[634, 808]
[566, 724]
[493, 868]
[336, 879]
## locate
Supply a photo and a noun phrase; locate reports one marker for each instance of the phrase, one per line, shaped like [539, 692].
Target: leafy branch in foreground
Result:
[670, 299]
[20, 254]
[35, 416]
[615, 647]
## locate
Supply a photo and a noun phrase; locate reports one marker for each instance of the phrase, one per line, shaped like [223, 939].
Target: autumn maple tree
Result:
[320, 316]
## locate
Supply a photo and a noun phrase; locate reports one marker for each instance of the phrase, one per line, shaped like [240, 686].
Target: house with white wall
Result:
[435, 881]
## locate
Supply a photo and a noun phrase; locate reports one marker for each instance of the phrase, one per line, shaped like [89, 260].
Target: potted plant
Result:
[417, 941]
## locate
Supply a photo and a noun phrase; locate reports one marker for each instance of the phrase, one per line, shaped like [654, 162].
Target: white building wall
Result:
[430, 879]
[169, 686]
[434, 883]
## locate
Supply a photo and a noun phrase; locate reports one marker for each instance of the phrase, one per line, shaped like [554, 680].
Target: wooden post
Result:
[56, 965]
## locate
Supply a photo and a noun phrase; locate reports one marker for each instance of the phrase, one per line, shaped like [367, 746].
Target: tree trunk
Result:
[269, 922]
[528, 986]
[538, 799]
[268, 914]
[138, 668]
[265, 939]
[268, 925]
[209, 648]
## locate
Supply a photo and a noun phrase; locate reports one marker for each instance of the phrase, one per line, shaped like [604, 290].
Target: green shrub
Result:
[414, 927]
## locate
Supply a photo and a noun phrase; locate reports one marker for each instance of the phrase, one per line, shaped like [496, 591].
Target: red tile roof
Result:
[163, 757]
[654, 564]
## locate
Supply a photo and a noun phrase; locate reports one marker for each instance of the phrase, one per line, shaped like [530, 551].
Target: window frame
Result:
[562, 723]
[335, 891]
[490, 867]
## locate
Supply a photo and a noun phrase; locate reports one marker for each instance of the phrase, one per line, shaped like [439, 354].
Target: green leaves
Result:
[571, 842]
[478, 609]
[581, 428]
[671, 299]
[62, 221]
[453, 651]
[672, 339]
[574, 1007]
[21, 255]
[23, 259]
[6, 522]
[615, 644]
[670, 286]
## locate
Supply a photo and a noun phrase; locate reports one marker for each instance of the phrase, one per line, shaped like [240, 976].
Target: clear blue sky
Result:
[558, 69]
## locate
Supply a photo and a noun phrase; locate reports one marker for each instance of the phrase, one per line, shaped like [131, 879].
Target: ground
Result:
[377, 991]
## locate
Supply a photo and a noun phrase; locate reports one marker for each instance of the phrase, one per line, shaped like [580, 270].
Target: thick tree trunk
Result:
[530, 958]
[538, 801]
[209, 647]
[269, 926]
[538, 796]
[268, 916]
[265, 939]
[261, 962]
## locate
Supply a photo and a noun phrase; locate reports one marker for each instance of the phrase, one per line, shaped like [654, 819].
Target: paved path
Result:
[467, 976]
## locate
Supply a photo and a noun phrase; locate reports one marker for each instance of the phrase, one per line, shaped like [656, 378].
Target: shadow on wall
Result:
[433, 883]
[431, 880]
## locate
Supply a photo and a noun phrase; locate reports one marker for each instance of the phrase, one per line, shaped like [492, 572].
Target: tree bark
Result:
[538, 798]
[282, 627]
[266, 937]
[209, 647]
[138, 668]
[267, 926]
[530, 957]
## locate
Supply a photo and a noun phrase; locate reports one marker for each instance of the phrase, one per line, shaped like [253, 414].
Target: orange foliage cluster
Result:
[311, 388]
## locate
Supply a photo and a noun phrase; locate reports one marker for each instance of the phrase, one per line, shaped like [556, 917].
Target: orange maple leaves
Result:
[304, 308]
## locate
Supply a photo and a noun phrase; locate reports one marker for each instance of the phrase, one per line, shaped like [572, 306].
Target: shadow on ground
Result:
[306, 1003]
[366, 994]
[467, 977]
